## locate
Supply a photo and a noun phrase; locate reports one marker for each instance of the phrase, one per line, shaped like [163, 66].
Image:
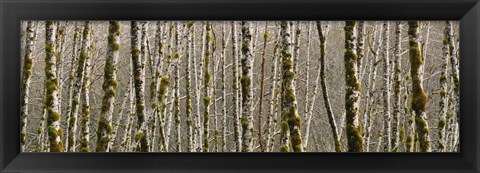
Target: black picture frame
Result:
[14, 11]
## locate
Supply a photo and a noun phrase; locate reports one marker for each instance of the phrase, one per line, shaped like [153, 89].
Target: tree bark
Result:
[352, 90]
[53, 113]
[104, 131]
[236, 94]
[141, 140]
[28, 62]
[290, 119]
[246, 84]
[386, 90]
[419, 98]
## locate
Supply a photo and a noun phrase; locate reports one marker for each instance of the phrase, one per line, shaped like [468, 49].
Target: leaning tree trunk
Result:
[77, 87]
[104, 130]
[246, 84]
[26, 75]
[397, 84]
[51, 103]
[139, 83]
[236, 93]
[291, 121]
[323, 83]
[386, 91]
[352, 90]
[419, 98]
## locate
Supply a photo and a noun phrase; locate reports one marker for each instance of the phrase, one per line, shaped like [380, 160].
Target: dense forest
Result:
[240, 86]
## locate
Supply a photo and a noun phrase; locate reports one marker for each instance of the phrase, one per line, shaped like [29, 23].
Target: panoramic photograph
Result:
[240, 86]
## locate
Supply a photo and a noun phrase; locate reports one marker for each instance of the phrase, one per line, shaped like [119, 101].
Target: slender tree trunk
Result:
[360, 45]
[26, 75]
[419, 99]
[206, 89]
[59, 48]
[236, 93]
[306, 110]
[455, 77]
[77, 87]
[260, 110]
[397, 85]
[176, 100]
[372, 80]
[198, 77]
[443, 92]
[121, 121]
[154, 85]
[53, 113]
[290, 119]
[85, 119]
[269, 132]
[352, 90]
[247, 88]
[71, 78]
[224, 91]
[104, 131]
[196, 94]
[188, 99]
[216, 147]
[326, 98]
[141, 140]
[386, 91]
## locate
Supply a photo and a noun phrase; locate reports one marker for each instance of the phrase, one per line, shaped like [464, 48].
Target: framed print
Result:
[247, 86]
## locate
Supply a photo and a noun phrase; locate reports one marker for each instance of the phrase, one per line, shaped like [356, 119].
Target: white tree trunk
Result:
[28, 62]
[104, 131]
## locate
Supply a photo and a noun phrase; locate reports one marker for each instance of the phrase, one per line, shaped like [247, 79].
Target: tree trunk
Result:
[206, 88]
[290, 119]
[352, 90]
[260, 110]
[104, 131]
[419, 98]
[455, 77]
[176, 100]
[326, 97]
[247, 92]
[141, 140]
[397, 85]
[372, 80]
[77, 87]
[53, 113]
[386, 91]
[224, 91]
[71, 78]
[443, 104]
[85, 120]
[26, 75]
[236, 93]
[188, 100]
[269, 132]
